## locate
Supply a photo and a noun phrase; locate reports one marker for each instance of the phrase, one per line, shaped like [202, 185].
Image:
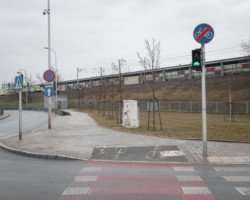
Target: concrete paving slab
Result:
[77, 135]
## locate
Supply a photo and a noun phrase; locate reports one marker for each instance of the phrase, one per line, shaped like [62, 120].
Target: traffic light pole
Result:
[204, 109]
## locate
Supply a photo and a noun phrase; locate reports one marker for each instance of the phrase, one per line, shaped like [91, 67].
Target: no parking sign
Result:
[49, 75]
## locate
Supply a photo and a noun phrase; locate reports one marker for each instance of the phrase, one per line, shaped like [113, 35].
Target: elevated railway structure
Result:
[217, 68]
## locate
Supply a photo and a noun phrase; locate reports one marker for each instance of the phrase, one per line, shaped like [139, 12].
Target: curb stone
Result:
[4, 116]
[39, 155]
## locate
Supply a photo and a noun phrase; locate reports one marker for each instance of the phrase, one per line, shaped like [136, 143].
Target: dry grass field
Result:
[187, 126]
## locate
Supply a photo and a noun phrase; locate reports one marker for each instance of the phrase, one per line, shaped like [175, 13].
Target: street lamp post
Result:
[55, 71]
[49, 60]
[20, 111]
[26, 101]
[78, 71]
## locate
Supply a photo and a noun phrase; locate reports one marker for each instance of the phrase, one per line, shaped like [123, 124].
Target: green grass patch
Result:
[186, 126]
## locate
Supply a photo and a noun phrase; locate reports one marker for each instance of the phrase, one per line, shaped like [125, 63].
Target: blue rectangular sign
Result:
[49, 91]
[18, 83]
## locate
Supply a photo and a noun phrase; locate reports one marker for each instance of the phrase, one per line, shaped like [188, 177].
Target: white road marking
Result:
[233, 169]
[237, 178]
[243, 190]
[196, 190]
[91, 169]
[184, 169]
[85, 178]
[171, 153]
[77, 191]
[188, 178]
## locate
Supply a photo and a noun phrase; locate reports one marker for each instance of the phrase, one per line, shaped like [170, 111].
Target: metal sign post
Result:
[19, 87]
[203, 34]
[204, 109]
[47, 11]
[20, 115]
[49, 76]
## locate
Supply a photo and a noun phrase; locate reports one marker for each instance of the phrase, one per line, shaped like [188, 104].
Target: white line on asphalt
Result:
[196, 190]
[85, 178]
[77, 191]
[243, 190]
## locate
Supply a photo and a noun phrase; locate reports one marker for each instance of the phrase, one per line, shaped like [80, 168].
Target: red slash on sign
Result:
[203, 33]
[49, 75]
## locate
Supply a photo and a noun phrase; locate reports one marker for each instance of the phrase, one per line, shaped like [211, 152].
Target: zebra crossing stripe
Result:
[237, 178]
[188, 178]
[184, 169]
[196, 190]
[85, 178]
[233, 169]
[76, 191]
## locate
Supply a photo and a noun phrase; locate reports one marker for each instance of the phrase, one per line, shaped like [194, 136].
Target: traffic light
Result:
[196, 59]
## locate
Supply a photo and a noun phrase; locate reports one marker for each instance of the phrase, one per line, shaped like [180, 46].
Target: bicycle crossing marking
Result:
[118, 180]
[162, 153]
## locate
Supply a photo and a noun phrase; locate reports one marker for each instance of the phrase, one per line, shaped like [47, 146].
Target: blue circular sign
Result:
[203, 33]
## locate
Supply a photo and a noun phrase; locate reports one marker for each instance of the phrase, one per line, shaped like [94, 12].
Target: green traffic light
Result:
[197, 64]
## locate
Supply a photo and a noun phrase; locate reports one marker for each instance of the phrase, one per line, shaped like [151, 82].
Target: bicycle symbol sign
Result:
[203, 33]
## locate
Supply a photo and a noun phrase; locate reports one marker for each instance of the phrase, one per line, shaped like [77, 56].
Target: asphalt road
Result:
[25, 178]
[30, 178]
[31, 120]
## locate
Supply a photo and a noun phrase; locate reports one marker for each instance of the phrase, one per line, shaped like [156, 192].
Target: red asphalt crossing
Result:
[123, 180]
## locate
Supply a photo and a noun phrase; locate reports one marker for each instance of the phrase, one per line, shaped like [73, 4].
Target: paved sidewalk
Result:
[78, 134]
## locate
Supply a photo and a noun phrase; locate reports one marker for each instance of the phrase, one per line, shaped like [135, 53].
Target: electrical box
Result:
[130, 114]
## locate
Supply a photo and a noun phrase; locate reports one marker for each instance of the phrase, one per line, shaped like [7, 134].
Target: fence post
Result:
[191, 107]
[169, 107]
[179, 106]
[216, 106]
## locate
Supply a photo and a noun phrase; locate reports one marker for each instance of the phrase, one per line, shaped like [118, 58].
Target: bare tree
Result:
[102, 90]
[112, 90]
[150, 63]
[120, 69]
[246, 47]
[39, 77]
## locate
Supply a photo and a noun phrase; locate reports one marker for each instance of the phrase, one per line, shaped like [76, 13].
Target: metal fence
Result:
[195, 107]
[173, 106]
[34, 107]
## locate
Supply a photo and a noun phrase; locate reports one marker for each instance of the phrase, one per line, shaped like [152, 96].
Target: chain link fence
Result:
[170, 106]
[195, 107]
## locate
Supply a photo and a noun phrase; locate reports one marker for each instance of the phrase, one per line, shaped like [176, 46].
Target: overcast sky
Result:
[91, 34]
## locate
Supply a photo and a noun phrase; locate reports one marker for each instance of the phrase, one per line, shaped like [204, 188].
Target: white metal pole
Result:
[77, 76]
[204, 110]
[55, 72]
[56, 76]
[26, 101]
[20, 115]
[49, 64]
